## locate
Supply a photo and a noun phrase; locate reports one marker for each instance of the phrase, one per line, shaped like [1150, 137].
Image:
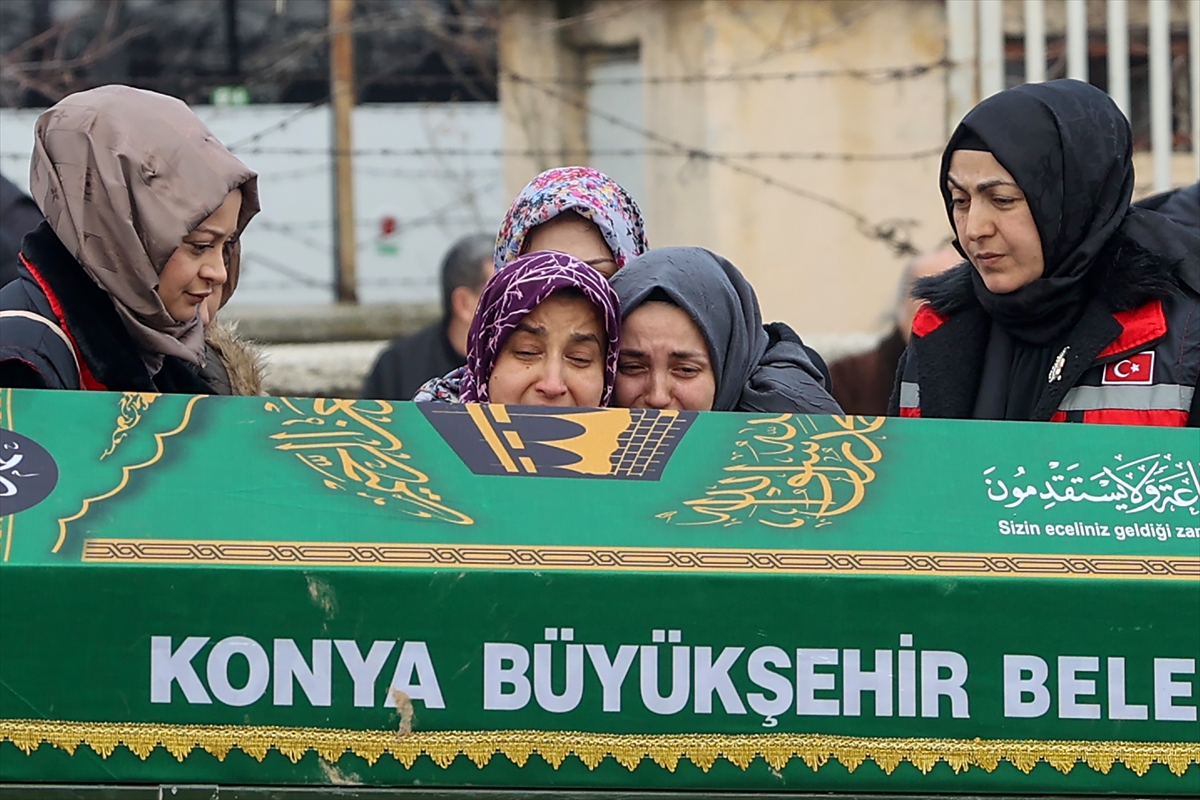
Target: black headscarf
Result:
[753, 373]
[1069, 148]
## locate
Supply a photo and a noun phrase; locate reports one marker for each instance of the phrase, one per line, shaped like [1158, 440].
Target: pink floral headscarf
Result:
[589, 193]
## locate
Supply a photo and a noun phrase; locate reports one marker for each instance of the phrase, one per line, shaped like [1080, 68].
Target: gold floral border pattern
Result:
[129, 414]
[636, 559]
[160, 448]
[665, 750]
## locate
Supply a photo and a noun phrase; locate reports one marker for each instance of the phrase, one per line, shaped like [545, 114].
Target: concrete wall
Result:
[801, 229]
[806, 245]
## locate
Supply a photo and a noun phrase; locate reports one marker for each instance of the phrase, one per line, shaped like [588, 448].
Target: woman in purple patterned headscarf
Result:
[574, 210]
[546, 332]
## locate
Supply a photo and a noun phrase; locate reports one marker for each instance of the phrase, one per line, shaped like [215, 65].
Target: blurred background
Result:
[799, 138]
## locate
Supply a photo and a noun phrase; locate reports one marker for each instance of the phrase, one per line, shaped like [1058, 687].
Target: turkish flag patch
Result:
[1138, 369]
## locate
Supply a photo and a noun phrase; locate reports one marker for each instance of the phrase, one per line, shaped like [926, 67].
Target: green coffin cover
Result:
[306, 591]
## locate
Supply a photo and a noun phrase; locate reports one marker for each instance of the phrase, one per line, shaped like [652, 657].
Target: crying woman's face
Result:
[555, 357]
[664, 361]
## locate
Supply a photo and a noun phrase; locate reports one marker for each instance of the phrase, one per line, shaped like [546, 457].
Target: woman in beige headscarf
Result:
[144, 208]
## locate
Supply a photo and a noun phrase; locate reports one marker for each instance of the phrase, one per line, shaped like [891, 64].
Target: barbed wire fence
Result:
[467, 38]
[894, 232]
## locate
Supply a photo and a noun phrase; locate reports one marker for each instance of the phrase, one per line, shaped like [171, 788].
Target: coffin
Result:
[307, 592]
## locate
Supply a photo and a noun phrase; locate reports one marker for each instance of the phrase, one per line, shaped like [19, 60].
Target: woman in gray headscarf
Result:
[692, 338]
[143, 211]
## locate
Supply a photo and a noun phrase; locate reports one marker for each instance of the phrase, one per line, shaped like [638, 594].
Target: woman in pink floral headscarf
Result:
[575, 210]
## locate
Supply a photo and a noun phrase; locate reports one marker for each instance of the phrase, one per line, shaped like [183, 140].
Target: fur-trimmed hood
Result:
[244, 366]
[1126, 276]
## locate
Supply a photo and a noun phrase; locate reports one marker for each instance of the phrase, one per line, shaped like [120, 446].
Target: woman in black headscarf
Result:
[1073, 306]
[692, 339]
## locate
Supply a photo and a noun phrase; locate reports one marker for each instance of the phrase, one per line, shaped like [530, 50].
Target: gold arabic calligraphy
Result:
[792, 469]
[345, 441]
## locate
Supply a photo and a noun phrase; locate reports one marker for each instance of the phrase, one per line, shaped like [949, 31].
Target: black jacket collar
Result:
[1125, 276]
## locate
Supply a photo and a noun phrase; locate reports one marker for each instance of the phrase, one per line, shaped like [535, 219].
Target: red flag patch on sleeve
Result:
[1137, 369]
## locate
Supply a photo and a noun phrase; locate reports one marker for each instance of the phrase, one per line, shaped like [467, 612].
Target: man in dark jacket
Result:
[862, 383]
[18, 216]
[442, 347]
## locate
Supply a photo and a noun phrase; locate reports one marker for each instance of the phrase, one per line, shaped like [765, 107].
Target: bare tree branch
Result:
[459, 32]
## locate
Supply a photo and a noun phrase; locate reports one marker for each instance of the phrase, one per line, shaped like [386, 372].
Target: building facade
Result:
[799, 139]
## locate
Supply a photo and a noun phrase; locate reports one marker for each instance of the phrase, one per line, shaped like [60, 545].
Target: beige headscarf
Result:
[122, 175]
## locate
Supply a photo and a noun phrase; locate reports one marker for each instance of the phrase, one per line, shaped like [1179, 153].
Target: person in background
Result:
[1181, 205]
[862, 383]
[1073, 306]
[692, 338]
[546, 333]
[18, 216]
[574, 210]
[442, 347]
[143, 206]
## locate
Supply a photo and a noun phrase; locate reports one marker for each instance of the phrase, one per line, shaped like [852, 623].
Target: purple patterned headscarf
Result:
[512, 293]
[589, 193]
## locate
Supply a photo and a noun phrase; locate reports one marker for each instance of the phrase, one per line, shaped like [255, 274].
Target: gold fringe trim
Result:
[665, 750]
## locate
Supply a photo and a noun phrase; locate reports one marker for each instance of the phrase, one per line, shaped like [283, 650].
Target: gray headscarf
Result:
[753, 372]
[122, 175]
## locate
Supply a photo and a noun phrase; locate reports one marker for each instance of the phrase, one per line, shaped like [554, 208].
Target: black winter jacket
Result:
[409, 362]
[18, 216]
[1133, 358]
[86, 346]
